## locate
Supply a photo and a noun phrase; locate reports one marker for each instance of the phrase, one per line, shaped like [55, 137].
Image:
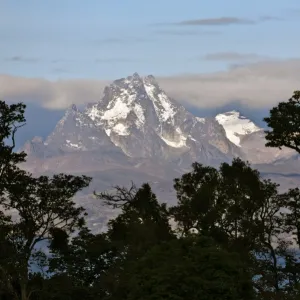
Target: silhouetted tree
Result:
[284, 124]
[248, 254]
[187, 268]
[241, 212]
[142, 223]
[43, 208]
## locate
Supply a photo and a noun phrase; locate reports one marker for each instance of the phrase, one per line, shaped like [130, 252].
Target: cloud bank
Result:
[259, 85]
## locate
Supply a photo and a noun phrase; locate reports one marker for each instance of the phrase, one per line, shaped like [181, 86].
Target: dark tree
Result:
[292, 214]
[84, 261]
[142, 223]
[45, 209]
[35, 211]
[226, 203]
[97, 262]
[241, 212]
[61, 287]
[284, 122]
[187, 268]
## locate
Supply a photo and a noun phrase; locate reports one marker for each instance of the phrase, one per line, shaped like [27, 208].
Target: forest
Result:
[231, 236]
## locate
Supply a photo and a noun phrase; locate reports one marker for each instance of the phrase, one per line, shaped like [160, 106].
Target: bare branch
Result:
[120, 197]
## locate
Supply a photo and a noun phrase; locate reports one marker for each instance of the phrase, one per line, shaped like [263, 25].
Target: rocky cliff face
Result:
[136, 117]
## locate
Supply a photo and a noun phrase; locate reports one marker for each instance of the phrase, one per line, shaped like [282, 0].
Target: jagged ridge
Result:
[136, 117]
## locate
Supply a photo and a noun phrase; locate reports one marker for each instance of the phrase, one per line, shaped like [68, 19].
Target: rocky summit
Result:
[137, 132]
[136, 117]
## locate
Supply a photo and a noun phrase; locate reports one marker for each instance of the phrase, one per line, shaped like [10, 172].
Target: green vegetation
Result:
[229, 240]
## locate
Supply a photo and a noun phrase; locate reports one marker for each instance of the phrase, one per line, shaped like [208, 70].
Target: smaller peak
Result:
[150, 79]
[136, 75]
[136, 78]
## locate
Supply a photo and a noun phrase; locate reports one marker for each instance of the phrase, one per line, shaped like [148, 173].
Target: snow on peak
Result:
[142, 89]
[126, 101]
[120, 106]
[164, 107]
[179, 142]
[236, 125]
[201, 120]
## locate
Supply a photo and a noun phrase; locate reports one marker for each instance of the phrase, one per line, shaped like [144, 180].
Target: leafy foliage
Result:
[284, 121]
[188, 268]
[231, 235]
[42, 207]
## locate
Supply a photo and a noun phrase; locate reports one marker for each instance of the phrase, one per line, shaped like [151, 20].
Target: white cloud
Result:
[50, 94]
[255, 85]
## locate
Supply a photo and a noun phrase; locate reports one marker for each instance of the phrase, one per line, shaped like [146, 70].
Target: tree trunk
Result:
[24, 291]
[24, 283]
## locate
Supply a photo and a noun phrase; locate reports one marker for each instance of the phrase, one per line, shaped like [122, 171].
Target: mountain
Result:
[143, 121]
[250, 138]
[136, 119]
[77, 132]
[236, 126]
[137, 132]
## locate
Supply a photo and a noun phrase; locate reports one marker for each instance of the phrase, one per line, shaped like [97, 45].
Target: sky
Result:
[205, 54]
[63, 39]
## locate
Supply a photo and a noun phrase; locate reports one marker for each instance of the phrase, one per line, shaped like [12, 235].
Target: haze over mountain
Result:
[136, 132]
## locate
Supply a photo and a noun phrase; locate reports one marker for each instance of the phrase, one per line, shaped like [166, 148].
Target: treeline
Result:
[231, 236]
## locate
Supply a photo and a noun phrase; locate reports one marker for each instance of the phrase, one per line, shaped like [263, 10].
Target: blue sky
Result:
[210, 55]
[61, 39]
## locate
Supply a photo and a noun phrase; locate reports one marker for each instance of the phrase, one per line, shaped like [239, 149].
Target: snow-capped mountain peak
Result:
[135, 107]
[121, 101]
[164, 107]
[128, 102]
[236, 125]
[136, 118]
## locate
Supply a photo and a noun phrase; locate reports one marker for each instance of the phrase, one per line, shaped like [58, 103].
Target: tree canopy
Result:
[43, 208]
[284, 124]
[188, 268]
[228, 236]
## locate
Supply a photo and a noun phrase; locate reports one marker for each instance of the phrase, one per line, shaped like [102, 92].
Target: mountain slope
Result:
[236, 126]
[136, 132]
[134, 120]
[76, 132]
[250, 138]
[143, 121]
